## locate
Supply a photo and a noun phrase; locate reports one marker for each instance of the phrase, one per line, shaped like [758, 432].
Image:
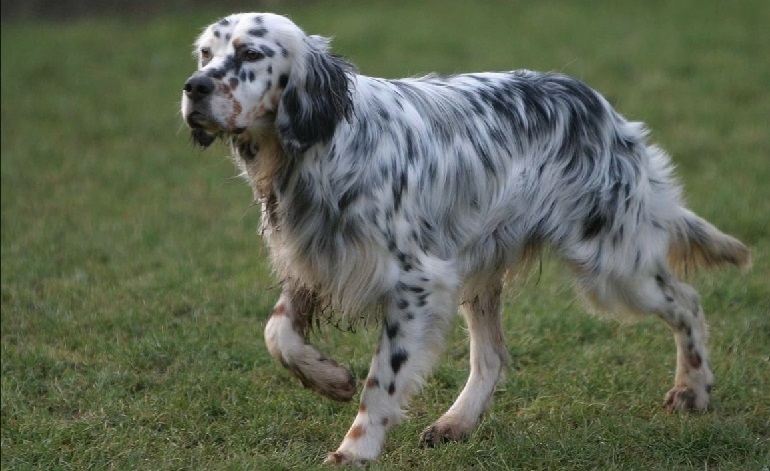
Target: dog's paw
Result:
[326, 377]
[439, 433]
[341, 458]
[685, 399]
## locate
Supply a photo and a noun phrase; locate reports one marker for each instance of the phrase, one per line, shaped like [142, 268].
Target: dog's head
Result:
[261, 73]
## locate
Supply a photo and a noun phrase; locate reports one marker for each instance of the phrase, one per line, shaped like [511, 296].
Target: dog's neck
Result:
[260, 156]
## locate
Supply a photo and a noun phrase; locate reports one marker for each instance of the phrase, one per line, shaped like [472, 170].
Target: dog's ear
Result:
[316, 98]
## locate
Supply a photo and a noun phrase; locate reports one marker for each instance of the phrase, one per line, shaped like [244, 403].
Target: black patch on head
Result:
[284, 52]
[228, 36]
[243, 76]
[259, 20]
[269, 69]
[224, 22]
[216, 73]
[252, 77]
[231, 63]
[397, 359]
[283, 80]
[258, 32]
[392, 388]
[269, 52]
[234, 82]
[217, 33]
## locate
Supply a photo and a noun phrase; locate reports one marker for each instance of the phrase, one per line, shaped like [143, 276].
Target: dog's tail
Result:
[697, 243]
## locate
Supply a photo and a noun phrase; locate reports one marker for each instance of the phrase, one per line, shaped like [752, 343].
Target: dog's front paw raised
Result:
[685, 399]
[325, 376]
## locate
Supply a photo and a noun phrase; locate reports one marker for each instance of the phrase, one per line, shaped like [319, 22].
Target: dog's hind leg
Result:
[417, 315]
[482, 312]
[684, 315]
[286, 339]
[678, 304]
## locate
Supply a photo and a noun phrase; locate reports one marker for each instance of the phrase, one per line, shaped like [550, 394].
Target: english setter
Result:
[402, 199]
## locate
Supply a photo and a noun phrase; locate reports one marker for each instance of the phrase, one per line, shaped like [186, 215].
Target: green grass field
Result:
[135, 289]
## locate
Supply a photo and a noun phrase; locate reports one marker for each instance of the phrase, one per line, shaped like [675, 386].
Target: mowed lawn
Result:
[135, 288]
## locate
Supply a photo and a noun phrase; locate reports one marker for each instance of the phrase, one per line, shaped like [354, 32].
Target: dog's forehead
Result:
[240, 27]
[217, 33]
[251, 28]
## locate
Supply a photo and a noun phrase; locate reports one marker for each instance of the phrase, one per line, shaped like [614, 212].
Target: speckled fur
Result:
[397, 200]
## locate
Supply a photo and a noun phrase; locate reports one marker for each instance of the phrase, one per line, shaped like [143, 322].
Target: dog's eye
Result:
[205, 53]
[252, 55]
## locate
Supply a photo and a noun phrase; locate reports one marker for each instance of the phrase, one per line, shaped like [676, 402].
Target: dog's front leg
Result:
[286, 339]
[416, 320]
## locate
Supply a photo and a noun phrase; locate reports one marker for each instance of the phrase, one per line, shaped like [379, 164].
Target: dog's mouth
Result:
[205, 130]
[198, 120]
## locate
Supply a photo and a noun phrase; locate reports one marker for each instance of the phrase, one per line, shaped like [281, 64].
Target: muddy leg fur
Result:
[286, 339]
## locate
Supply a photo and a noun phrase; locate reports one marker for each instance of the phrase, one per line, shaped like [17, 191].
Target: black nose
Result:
[198, 87]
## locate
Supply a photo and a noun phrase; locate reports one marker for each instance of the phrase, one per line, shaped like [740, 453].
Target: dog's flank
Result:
[397, 200]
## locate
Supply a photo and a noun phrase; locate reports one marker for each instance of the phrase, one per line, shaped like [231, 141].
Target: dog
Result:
[397, 201]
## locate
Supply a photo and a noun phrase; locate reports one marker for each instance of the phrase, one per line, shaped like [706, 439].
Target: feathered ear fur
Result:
[316, 98]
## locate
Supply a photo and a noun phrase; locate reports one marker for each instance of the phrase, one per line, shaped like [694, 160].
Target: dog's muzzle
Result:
[197, 89]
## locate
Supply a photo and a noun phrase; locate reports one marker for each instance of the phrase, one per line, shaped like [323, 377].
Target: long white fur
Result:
[396, 200]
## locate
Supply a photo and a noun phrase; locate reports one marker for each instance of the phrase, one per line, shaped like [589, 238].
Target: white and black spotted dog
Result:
[402, 199]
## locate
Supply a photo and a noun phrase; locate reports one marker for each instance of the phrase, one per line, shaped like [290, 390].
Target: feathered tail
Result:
[697, 243]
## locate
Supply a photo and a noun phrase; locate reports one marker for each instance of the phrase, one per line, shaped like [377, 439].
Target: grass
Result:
[135, 291]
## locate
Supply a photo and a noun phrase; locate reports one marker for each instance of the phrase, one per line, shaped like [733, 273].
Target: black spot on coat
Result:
[397, 359]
